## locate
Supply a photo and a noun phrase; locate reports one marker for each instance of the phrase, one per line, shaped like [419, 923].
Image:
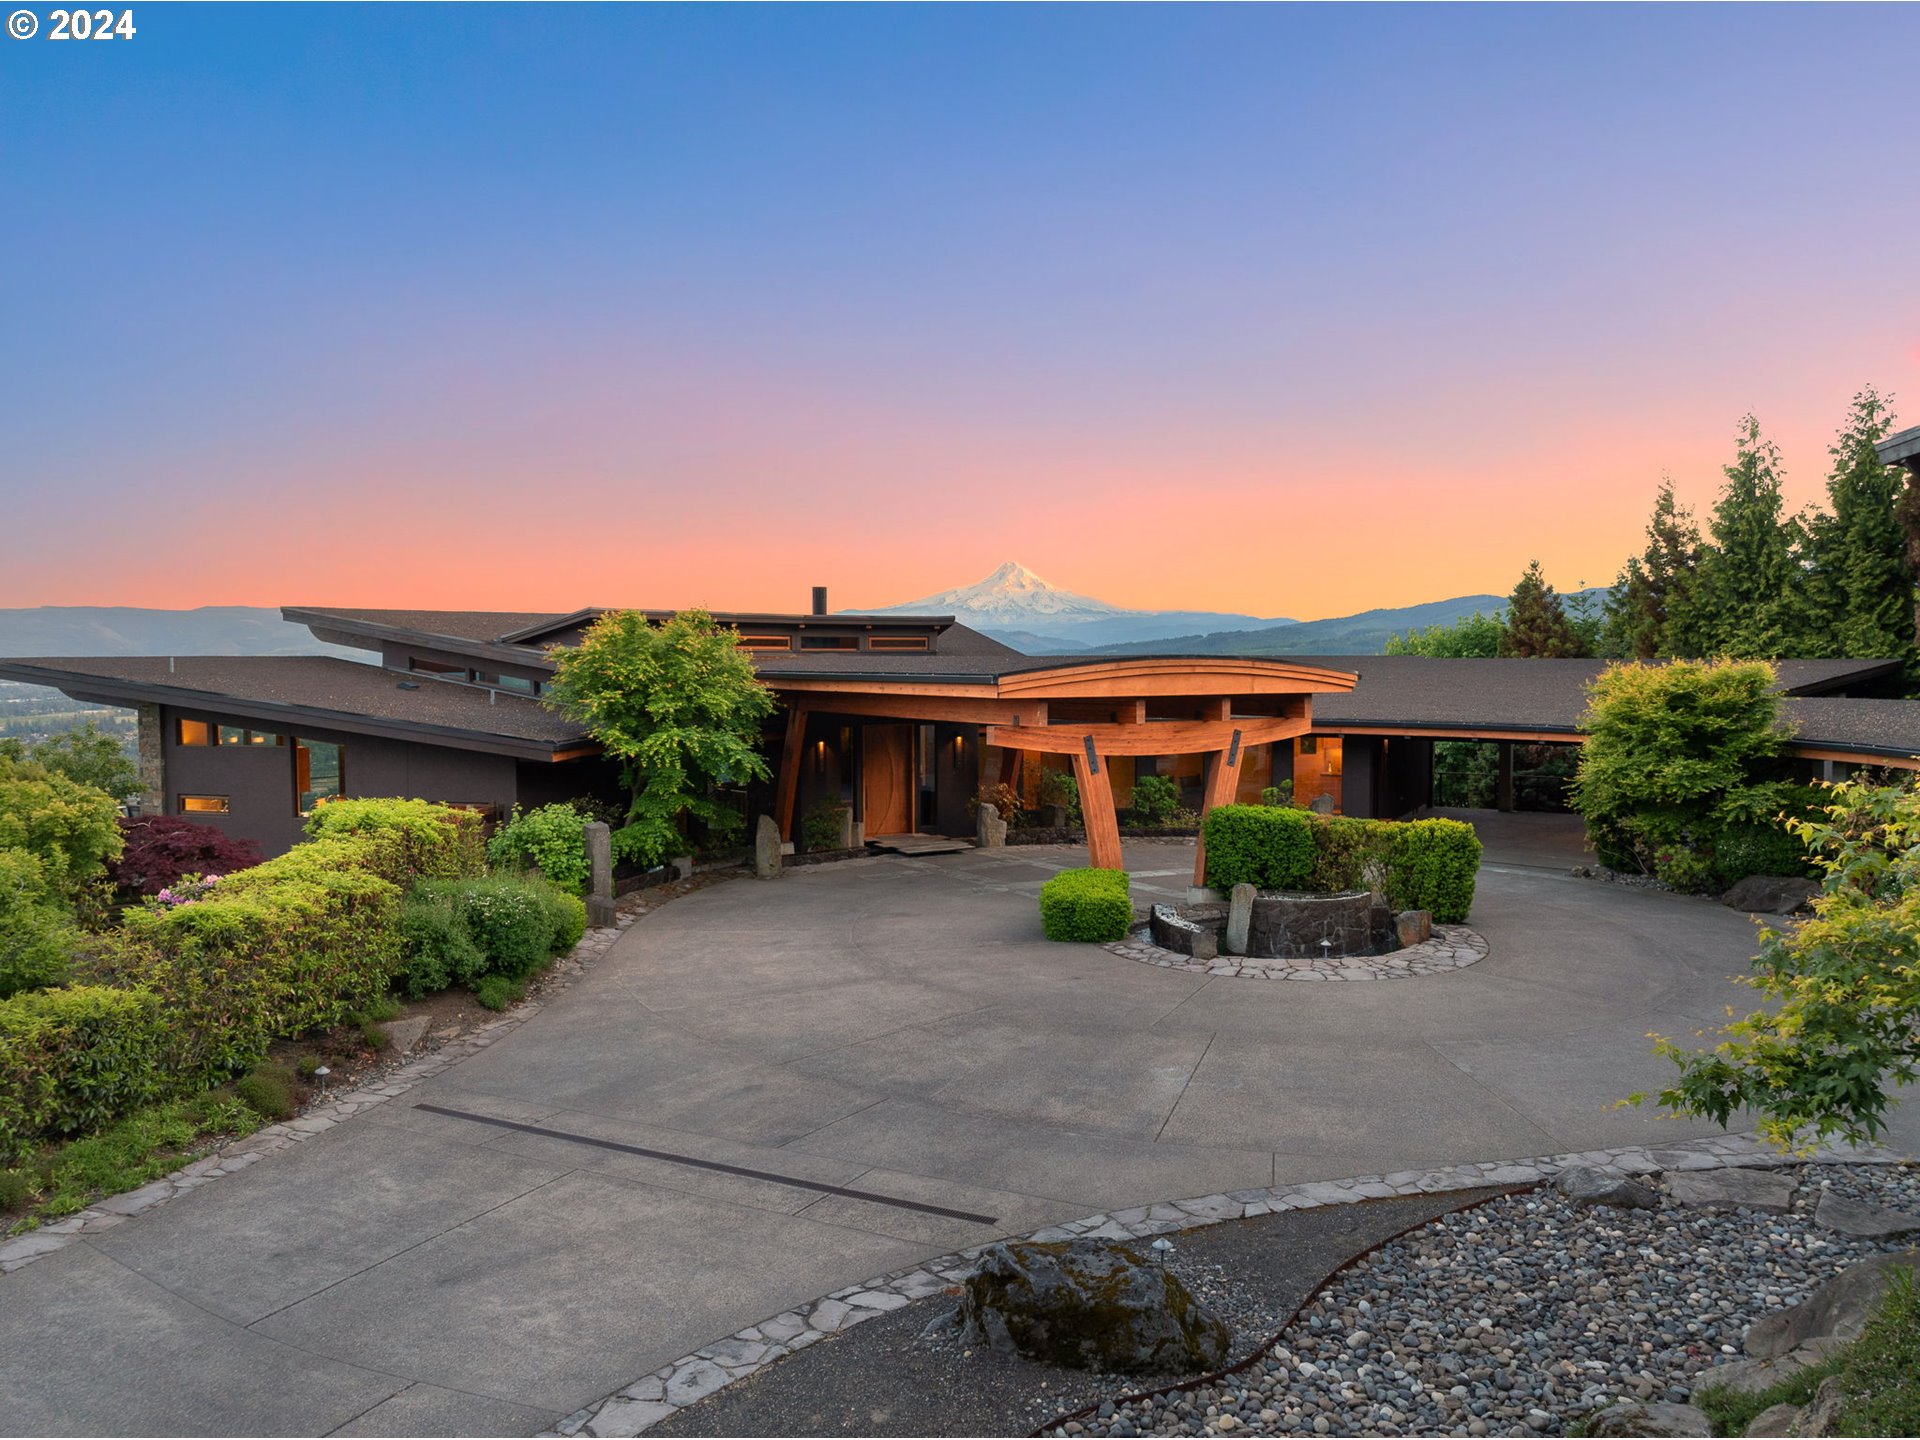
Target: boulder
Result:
[1090, 1306]
[1413, 927]
[1771, 894]
[990, 831]
[1633, 1419]
[1838, 1310]
[1823, 1411]
[1321, 805]
[1774, 1420]
[1239, 918]
[1598, 1185]
[1731, 1189]
[766, 848]
[1859, 1218]
[1750, 1377]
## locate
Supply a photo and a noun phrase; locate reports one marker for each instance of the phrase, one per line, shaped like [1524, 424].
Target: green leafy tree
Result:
[1676, 755]
[68, 827]
[1475, 637]
[1655, 587]
[36, 937]
[1861, 581]
[1842, 1021]
[679, 707]
[1537, 626]
[1748, 601]
[87, 756]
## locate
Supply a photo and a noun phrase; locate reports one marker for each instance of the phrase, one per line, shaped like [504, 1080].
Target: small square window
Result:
[205, 805]
[196, 732]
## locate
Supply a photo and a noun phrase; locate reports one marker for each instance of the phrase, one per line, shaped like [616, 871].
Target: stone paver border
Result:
[236, 1155]
[1453, 947]
[643, 1403]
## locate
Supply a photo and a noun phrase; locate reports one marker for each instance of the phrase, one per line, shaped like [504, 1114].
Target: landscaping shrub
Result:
[1431, 866]
[1155, 798]
[67, 826]
[1059, 787]
[496, 992]
[514, 923]
[1743, 850]
[423, 840]
[73, 1059]
[268, 1092]
[289, 946]
[1281, 794]
[36, 940]
[820, 826]
[1086, 904]
[552, 840]
[158, 849]
[436, 950]
[1263, 845]
[1342, 846]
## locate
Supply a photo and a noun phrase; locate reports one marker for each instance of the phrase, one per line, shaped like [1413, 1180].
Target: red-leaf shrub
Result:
[160, 849]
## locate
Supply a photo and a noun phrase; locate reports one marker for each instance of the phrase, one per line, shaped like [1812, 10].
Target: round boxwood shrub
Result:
[1086, 904]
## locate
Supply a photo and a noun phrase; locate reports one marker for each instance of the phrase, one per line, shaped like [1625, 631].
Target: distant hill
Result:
[123, 630]
[1363, 634]
[1018, 608]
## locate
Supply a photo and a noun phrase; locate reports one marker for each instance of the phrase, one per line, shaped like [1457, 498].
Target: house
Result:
[903, 718]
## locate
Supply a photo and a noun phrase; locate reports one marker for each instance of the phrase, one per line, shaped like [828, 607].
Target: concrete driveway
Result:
[659, 1157]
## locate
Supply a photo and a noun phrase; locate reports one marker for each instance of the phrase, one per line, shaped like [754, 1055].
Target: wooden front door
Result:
[886, 779]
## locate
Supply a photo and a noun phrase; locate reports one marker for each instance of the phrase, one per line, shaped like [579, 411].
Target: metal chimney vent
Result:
[819, 599]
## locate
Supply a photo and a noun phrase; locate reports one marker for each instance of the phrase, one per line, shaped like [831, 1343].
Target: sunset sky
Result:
[1293, 311]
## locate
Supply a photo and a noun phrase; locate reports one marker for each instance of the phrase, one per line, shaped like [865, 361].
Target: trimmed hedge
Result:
[430, 840]
[1086, 904]
[467, 931]
[74, 1059]
[1430, 864]
[1259, 845]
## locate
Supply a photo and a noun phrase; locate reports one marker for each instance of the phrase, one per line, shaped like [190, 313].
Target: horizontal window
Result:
[235, 735]
[897, 642]
[516, 683]
[829, 642]
[204, 805]
[435, 667]
[766, 642]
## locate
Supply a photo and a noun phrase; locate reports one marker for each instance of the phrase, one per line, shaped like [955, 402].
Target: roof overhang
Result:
[738, 619]
[108, 690]
[346, 630]
[1900, 448]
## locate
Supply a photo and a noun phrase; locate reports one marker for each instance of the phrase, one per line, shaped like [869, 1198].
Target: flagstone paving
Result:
[765, 1092]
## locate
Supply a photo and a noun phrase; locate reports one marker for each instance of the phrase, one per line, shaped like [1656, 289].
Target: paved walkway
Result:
[888, 1027]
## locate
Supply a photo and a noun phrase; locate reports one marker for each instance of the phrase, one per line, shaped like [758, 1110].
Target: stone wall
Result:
[153, 759]
[1292, 927]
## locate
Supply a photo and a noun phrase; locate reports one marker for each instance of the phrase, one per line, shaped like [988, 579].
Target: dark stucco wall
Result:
[258, 780]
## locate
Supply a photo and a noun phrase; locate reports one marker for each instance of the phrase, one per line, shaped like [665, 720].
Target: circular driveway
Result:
[767, 1091]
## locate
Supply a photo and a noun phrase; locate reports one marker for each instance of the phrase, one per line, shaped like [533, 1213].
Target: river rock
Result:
[1729, 1189]
[1598, 1185]
[1863, 1219]
[1839, 1309]
[1771, 894]
[1660, 1419]
[1413, 927]
[1090, 1306]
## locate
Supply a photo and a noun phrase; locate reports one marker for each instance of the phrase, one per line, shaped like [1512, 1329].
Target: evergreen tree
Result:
[1646, 614]
[1749, 594]
[1861, 580]
[1537, 625]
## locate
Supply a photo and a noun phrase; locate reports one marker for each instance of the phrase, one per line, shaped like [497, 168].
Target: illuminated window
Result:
[829, 642]
[204, 805]
[766, 642]
[239, 735]
[897, 642]
[196, 732]
[319, 773]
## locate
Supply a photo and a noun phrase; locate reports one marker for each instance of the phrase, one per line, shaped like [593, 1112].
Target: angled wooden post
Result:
[787, 782]
[1096, 807]
[1223, 783]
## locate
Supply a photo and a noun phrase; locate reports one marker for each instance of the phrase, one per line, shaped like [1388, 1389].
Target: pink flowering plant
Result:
[184, 891]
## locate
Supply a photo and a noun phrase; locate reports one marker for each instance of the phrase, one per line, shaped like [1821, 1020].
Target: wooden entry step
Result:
[918, 845]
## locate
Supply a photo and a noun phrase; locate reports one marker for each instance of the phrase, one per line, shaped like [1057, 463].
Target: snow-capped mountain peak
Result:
[1010, 595]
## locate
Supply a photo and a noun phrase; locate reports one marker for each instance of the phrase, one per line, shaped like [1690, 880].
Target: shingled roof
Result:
[319, 691]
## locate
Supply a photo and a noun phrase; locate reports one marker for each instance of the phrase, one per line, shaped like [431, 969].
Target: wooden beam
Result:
[1223, 783]
[957, 710]
[1010, 769]
[1436, 732]
[792, 752]
[1153, 677]
[1156, 737]
[1854, 757]
[1218, 707]
[1096, 809]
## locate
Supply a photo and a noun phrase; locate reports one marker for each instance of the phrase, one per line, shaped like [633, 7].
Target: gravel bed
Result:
[1518, 1316]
